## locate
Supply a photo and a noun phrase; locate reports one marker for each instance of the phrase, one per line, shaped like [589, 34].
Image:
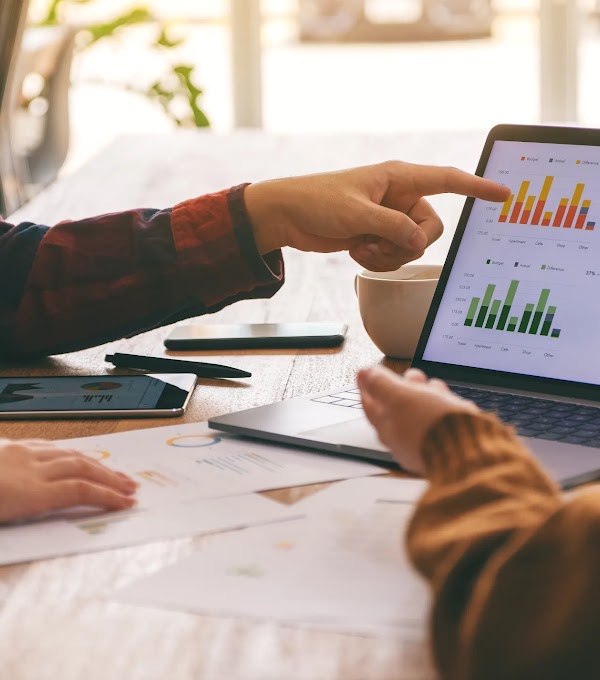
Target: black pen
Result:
[161, 365]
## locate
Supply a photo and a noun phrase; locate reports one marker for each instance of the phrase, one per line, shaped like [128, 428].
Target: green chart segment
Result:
[494, 313]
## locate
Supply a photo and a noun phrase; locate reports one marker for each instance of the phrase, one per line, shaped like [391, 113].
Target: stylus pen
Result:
[161, 365]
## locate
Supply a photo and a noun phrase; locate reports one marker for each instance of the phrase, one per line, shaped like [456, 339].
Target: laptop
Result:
[514, 324]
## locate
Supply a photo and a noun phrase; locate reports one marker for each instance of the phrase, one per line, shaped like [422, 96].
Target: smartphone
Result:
[95, 396]
[256, 336]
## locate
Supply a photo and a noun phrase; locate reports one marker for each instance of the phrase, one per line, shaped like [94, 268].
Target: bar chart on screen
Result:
[521, 295]
[535, 318]
[528, 206]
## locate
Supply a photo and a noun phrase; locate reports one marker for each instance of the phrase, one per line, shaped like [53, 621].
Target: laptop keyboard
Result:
[349, 398]
[540, 418]
[532, 417]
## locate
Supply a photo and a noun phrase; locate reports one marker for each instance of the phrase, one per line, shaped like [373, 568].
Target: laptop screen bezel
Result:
[482, 376]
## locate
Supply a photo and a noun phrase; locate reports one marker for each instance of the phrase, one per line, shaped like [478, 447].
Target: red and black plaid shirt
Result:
[80, 284]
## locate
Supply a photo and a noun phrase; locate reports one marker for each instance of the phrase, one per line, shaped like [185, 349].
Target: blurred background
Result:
[90, 70]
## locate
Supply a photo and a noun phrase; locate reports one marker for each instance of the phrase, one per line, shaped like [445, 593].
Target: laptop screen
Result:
[522, 296]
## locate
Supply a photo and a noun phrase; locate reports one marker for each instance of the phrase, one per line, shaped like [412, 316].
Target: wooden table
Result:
[56, 621]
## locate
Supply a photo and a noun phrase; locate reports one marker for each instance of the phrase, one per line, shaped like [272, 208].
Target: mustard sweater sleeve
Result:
[514, 568]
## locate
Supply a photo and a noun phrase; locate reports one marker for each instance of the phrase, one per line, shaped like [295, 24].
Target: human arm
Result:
[378, 213]
[512, 565]
[38, 476]
[83, 283]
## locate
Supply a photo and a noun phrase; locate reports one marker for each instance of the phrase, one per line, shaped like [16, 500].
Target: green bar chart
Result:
[472, 310]
[510, 297]
[526, 318]
[491, 319]
[512, 323]
[537, 317]
[539, 310]
[489, 291]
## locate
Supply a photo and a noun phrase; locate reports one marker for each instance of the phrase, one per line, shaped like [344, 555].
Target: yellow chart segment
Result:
[157, 477]
[285, 545]
[97, 454]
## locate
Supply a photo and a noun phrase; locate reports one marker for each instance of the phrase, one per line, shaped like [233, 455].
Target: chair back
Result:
[13, 14]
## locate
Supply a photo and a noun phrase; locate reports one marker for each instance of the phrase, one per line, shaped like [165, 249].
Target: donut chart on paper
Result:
[193, 441]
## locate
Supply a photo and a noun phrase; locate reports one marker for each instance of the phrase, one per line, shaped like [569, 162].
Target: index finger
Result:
[429, 180]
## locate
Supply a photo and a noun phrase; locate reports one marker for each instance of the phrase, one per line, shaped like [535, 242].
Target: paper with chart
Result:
[343, 567]
[187, 476]
[54, 538]
[367, 491]
[184, 462]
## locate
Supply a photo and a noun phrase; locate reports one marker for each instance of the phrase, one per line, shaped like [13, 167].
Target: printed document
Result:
[343, 567]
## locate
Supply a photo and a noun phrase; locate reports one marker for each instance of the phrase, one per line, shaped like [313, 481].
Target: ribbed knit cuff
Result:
[462, 443]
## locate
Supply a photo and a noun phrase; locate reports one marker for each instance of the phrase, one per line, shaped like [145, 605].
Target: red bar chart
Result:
[526, 208]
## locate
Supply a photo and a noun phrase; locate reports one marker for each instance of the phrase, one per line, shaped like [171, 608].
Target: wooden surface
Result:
[56, 621]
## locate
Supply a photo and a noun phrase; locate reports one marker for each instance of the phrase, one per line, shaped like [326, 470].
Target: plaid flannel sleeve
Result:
[82, 283]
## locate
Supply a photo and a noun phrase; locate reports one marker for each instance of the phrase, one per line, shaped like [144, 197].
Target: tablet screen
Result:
[83, 393]
[522, 293]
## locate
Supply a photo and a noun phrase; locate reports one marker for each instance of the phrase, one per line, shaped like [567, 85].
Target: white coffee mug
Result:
[393, 306]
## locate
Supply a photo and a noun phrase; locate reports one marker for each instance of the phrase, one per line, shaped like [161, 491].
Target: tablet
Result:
[95, 396]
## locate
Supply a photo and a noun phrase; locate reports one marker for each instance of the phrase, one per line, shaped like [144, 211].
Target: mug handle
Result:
[356, 284]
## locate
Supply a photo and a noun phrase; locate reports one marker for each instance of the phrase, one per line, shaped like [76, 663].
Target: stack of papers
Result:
[342, 567]
[188, 462]
[54, 538]
[188, 475]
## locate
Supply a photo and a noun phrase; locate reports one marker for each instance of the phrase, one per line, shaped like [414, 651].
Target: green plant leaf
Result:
[176, 85]
[192, 92]
[51, 18]
[138, 15]
[163, 40]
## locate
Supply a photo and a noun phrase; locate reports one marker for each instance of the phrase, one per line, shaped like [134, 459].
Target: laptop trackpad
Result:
[357, 433]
